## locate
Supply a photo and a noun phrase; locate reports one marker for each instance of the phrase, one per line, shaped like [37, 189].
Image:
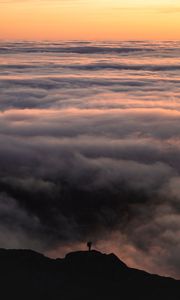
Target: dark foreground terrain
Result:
[25, 274]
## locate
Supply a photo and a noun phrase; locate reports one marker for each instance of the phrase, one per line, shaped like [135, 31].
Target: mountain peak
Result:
[94, 259]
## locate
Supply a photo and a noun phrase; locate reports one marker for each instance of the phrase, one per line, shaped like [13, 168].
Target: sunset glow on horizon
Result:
[90, 19]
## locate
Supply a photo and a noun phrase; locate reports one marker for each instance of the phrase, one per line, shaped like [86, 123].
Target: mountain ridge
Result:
[27, 274]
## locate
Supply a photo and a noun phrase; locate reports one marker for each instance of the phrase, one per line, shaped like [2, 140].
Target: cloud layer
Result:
[90, 150]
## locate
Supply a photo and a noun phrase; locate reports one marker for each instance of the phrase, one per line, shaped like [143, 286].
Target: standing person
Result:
[89, 245]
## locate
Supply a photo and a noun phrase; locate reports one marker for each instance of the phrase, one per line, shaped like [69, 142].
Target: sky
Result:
[90, 19]
[89, 130]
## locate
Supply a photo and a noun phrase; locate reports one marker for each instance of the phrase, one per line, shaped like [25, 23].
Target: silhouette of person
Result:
[89, 245]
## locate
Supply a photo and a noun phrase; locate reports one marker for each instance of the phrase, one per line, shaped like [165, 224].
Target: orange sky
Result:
[90, 19]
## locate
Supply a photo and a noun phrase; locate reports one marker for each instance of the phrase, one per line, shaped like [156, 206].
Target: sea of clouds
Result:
[90, 149]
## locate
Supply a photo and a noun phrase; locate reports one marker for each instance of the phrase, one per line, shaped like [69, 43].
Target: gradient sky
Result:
[90, 19]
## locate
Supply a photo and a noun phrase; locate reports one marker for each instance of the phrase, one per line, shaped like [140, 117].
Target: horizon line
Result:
[89, 40]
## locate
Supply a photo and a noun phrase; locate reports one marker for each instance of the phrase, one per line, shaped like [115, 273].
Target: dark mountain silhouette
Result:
[25, 274]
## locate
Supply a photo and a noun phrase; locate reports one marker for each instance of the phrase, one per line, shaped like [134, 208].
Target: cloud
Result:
[90, 150]
[81, 184]
[78, 49]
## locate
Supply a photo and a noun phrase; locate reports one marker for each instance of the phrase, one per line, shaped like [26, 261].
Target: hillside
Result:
[25, 274]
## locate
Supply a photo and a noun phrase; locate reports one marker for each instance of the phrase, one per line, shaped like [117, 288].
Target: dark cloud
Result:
[91, 152]
[94, 67]
[60, 48]
[81, 185]
[88, 47]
